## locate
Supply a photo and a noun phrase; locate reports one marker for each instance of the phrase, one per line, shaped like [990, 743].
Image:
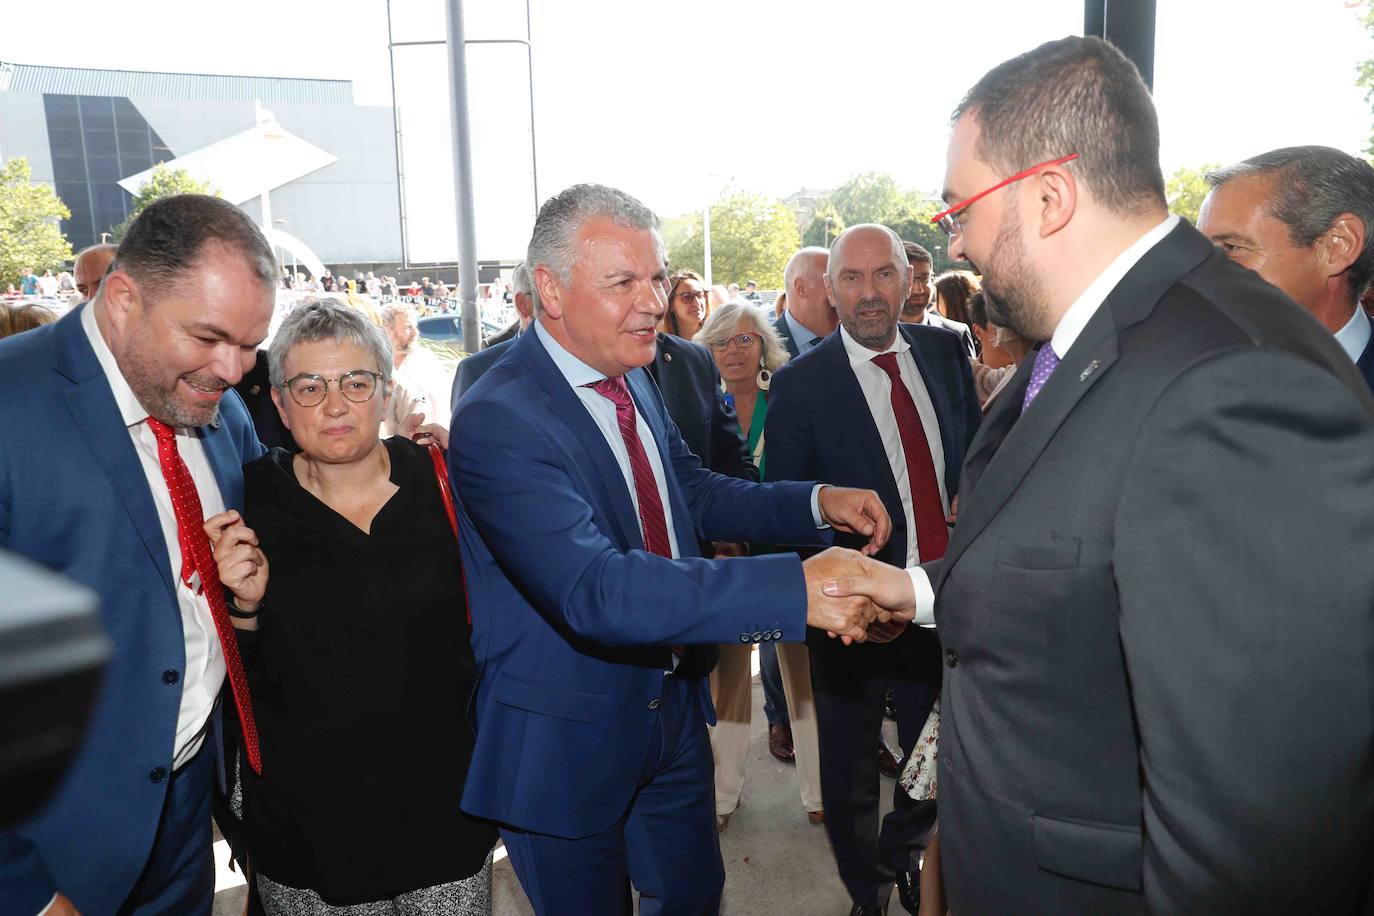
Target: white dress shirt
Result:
[1070, 326]
[1354, 337]
[204, 675]
[602, 409]
[876, 385]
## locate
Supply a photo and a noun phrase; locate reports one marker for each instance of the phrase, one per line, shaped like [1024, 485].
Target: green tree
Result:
[752, 237]
[825, 225]
[870, 197]
[1186, 189]
[30, 235]
[163, 182]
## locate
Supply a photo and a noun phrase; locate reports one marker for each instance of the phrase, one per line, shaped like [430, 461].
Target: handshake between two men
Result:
[849, 594]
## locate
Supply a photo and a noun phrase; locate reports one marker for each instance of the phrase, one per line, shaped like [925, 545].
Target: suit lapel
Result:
[96, 415]
[226, 462]
[1010, 442]
[599, 464]
[1366, 363]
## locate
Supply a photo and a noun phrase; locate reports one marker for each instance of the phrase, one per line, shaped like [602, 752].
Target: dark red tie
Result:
[651, 518]
[196, 557]
[932, 536]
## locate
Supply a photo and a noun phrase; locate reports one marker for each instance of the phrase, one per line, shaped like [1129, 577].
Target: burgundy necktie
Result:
[651, 519]
[196, 557]
[932, 535]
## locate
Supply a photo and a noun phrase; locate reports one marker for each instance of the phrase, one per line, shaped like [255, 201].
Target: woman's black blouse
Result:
[361, 671]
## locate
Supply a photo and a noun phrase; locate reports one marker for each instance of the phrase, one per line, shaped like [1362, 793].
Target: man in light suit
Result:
[809, 317]
[470, 368]
[1303, 219]
[838, 413]
[1156, 605]
[175, 323]
[580, 511]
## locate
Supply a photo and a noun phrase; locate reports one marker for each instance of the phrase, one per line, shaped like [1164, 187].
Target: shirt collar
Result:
[1091, 299]
[1354, 337]
[132, 412]
[858, 353]
[801, 334]
[576, 372]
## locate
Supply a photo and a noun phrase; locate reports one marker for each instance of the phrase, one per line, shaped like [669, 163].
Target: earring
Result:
[764, 377]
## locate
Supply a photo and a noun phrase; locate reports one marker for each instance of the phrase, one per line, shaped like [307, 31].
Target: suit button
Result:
[653, 704]
[757, 637]
[951, 658]
[158, 774]
[170, 676]
[777, 634]
[744, 637]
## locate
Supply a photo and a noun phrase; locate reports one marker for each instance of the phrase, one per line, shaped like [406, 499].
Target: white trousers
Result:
[733, 695]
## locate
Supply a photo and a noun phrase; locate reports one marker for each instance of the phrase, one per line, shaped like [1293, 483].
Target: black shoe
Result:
[909, 891]
[868, 910]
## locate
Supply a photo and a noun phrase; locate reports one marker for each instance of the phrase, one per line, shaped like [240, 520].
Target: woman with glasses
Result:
[353, 628]
[686, 305]
[748, 351]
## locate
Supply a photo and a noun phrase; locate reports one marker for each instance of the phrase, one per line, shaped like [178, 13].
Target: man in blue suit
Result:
[889, 406]
[470, 368]
[580, 512]
[175, 323]
[1302, 218]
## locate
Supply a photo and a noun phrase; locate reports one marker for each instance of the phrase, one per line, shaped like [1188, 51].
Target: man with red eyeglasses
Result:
[1156, 609]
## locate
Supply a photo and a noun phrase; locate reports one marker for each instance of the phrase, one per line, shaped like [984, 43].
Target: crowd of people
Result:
[1086, 517]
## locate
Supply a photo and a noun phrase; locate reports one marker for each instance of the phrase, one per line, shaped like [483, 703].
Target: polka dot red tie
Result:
[196, 557]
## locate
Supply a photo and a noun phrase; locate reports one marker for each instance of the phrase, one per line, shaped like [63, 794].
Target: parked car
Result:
[450, 327]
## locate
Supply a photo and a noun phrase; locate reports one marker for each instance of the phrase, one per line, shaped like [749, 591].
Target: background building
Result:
[85, 131]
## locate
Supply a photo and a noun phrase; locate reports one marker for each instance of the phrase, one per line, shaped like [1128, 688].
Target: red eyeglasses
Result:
[946, 220]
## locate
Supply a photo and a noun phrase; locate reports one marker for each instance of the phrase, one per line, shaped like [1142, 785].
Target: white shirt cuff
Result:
[816, 505]
[49, 906]
[925, 597]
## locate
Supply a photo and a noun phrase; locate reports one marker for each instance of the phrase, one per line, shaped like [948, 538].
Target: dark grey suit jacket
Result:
[1157, 609]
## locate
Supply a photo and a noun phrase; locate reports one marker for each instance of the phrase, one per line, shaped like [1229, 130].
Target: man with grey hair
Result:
[1303, 219]
[422, 384]
[809, 316]
[887, 406]
[581, 510]
[90, 268]
[121, 438]
[470, 368]
[1156, 600]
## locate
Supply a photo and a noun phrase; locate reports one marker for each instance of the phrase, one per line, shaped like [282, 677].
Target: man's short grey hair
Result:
[1312, 186]
[794, 265]
[319, 318]
[725, 318]
[522, 281]
[898, 250]
[392, 311]
[554, 241]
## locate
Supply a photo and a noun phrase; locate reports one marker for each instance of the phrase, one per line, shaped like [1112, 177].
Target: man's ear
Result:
[122, 299]
[550, 291]
[1058, 191]
[1342, 244]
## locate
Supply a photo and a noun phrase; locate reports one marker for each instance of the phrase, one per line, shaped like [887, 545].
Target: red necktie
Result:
[651, 518]
[932, 535]
[196, 557]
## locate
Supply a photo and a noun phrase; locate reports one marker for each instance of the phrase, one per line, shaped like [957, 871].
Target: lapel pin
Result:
[254, 390]
[1092, 367]
[214, 421]
[667, 357]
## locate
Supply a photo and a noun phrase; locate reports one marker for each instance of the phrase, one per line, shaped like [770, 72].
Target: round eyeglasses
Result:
[310, 390]
[739, 340]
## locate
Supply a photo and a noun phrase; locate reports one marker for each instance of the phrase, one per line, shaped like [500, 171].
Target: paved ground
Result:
[776, 862]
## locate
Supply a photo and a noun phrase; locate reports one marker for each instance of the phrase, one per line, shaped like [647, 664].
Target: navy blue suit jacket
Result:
[819, 426]
[689, 381]
[1366, 363]
[73, 497]
[785, 332]
[571, 616]
[471, 368]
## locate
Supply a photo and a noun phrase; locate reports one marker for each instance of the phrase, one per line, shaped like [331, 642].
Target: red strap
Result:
[436, 455]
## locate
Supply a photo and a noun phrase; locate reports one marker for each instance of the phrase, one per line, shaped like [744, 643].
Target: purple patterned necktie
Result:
[1045, 363]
